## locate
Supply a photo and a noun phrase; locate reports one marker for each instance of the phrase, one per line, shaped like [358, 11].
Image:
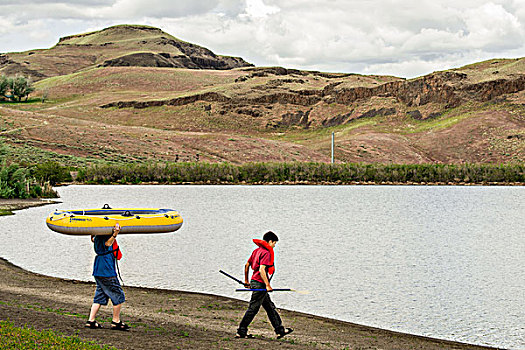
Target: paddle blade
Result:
[304, 292]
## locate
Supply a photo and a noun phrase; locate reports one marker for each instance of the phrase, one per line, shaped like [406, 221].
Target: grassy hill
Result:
[122, 45]
[123, 94]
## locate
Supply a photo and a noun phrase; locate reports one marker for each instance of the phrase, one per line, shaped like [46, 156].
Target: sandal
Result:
[284, 332]
[119, 326]
[92, 325]
[238, 335]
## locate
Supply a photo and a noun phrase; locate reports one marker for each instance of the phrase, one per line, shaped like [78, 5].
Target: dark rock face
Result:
[415, 115]
[9, 67]
[4, 59]
[149, 59]
[337, 120]
[299, 118]
[266, 71]
[249, 111]
[146, 59]
[489, 90]
[444, 88]
[381, 111]
[346, 118]
[283, 98]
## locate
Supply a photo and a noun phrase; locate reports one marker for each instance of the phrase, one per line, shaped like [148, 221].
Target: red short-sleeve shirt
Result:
[260, 256]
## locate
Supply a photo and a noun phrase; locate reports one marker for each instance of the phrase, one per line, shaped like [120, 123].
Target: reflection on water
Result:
[445, 262]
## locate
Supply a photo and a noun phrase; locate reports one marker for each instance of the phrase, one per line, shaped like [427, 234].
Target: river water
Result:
[445, 262]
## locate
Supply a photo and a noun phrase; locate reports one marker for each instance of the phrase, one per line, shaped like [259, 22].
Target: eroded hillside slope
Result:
[119, 110]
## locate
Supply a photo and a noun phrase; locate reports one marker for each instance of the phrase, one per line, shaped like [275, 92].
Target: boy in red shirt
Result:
[261, 262]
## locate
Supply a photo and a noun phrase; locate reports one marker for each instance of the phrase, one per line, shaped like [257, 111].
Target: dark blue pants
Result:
[258, 299]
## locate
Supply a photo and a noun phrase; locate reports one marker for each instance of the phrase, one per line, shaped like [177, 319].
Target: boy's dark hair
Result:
[270, 236]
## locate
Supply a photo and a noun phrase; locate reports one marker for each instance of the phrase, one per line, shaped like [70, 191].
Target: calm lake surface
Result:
[445, 262]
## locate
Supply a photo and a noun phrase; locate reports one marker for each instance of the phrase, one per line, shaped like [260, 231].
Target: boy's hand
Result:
[116, 229]
[246, 285]
[269, 288]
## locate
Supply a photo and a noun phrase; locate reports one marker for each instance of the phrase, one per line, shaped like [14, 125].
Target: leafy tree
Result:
[51, 172]
[4, 85]
[21, 87]
[13, 182]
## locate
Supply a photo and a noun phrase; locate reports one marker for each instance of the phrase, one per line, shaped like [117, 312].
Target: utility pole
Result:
[333, 141]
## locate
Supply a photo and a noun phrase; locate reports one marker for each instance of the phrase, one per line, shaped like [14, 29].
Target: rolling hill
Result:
[134, 93]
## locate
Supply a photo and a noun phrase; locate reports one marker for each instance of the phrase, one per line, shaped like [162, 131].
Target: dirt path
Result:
[163, 319]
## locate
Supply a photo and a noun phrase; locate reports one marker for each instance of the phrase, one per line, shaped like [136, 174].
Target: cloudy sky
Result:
[405, 38]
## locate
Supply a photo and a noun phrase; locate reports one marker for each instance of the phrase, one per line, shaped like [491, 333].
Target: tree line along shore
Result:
[37, 180]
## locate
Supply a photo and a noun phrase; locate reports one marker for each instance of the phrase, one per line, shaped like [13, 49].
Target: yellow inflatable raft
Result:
[102, 221]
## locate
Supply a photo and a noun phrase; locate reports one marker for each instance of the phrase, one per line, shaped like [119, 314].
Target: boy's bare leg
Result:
[93, 313]
[116, 313]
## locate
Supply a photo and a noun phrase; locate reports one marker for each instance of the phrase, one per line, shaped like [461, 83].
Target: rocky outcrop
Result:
[9, 67]
[443, 88]
[415, 115]
[148, 59]
[488, 90]
[282, 98]
[414, 93]
[180, 101]
[267, 71]
[337, 120]
[375, 112]
[193, 57]
[206, 59]
[4, 59]
[298, 118]
[347, 117]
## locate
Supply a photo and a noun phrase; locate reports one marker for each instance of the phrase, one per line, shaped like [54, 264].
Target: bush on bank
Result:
[17, 182]
[301, 173]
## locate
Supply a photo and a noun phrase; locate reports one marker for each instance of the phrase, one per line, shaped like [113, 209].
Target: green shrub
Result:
[13, 182]
[51, 172]
[301, 172]
[16, 182]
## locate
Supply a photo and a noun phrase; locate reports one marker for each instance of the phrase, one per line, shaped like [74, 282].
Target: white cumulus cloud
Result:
[398, 37]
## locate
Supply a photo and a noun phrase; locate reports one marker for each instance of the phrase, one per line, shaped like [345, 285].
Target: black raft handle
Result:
[106, 206]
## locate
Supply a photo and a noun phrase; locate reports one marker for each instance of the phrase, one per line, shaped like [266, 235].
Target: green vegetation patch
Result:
[443, 122]
[5, 212]
[323, 134]
[12, 337]
[297, 172]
